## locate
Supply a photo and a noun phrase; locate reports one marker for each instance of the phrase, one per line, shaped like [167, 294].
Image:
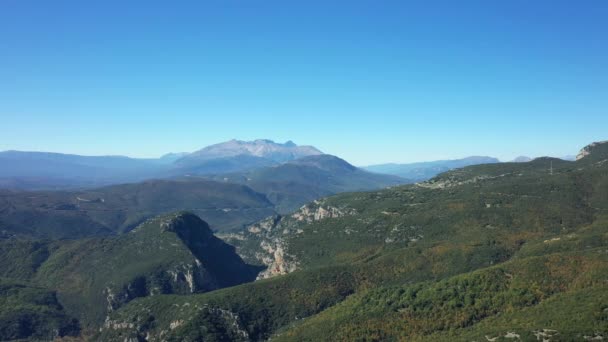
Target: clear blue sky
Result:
[371, 81]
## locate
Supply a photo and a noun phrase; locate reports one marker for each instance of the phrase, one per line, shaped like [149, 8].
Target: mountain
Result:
[47, 171]
[498, 251]
[262, 148]
[172, 157]
[521, 159]
[426, 170]
[118, 208]
[237, 155]
[227, 202]
[172, 254]
[595, 150]
[57, 171]
[294, 183]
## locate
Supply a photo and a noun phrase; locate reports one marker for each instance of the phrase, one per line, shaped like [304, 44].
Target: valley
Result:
[469, 254]
[303, 171]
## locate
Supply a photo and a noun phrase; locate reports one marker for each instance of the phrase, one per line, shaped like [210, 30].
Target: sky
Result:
[370, 81]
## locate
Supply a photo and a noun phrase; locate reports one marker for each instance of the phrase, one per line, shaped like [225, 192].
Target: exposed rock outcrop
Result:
[585, 151]
[266, 241]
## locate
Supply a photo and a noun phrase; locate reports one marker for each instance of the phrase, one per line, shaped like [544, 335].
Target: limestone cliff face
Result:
[184, 278]
[170, 254]
[587, 150]
[229, 322]
[269, 239]
[316, 211]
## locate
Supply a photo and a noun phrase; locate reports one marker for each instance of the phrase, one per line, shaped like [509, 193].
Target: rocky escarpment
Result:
[266, 242]
[587, 150]
[170, 254]
[185, 278]
[454, 178]
[227, 326]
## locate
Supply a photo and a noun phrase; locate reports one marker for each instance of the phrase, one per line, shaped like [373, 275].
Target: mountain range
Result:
[52, 171]
[495, 251]
[426, 170]
[299, 181]
[228, 201]
[56, 171]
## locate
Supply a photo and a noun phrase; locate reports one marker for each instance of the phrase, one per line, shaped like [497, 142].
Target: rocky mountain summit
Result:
[53, 171]
[262, 148]
[238, 156]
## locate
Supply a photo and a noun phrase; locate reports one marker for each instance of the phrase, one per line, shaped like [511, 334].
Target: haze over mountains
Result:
[46, 170]
[294, 183]
[230, 184]
[425, 170]
[492, 250]
[53, 171]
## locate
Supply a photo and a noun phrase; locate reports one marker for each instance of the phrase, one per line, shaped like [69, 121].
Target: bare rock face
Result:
[271, 237]
[277, 260]
[316, 211]
[139, 330]
[262, 148]
[585, 151]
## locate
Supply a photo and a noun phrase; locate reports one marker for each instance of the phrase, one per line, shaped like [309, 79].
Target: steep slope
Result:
[544, 296]
[470, 253]
[237, 155]
[118, 208]
[292, 184]
[171, 254]
[595, 150]
[426, 170]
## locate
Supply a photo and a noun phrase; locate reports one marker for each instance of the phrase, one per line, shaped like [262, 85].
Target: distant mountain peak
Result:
[591, 148]
[261, 148]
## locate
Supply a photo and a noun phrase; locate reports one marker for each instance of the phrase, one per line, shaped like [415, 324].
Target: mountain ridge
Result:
[421, 171]
[175, 253]
[294, 183]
